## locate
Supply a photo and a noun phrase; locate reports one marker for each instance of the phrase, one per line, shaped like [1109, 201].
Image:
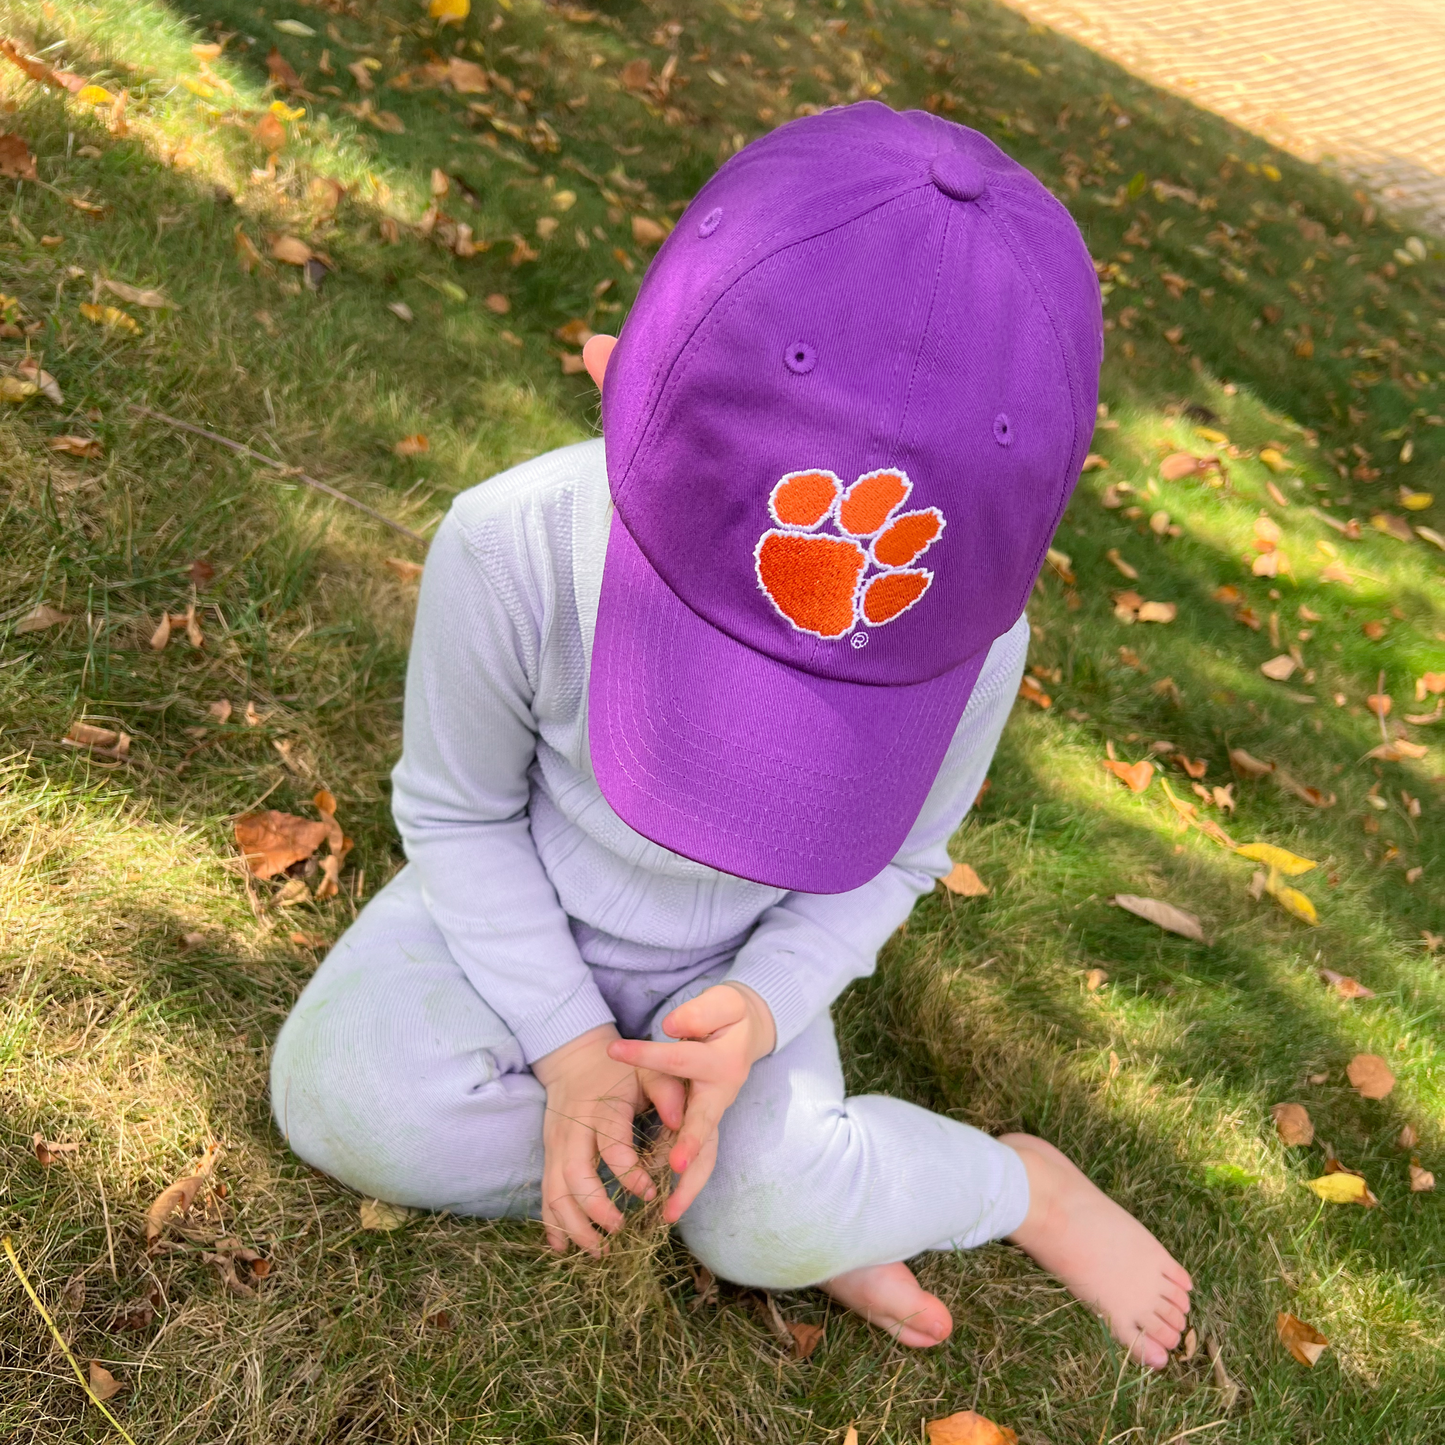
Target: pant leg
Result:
[809, 1184]
[394, 1076]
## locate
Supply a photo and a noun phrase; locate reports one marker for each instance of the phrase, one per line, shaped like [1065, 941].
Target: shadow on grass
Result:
[978, 1008]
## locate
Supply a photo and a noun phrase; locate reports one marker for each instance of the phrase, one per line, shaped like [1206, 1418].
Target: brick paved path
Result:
[1356, 83]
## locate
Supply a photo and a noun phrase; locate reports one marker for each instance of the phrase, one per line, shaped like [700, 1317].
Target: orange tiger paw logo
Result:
[825, 583]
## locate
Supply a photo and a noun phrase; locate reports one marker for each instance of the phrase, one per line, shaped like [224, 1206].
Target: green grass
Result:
[120, 1034]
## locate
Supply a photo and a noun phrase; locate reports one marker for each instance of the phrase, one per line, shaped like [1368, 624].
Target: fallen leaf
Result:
[967, 1428]
[106, 742]
[1095, 979]
[1030, 691]
[1166, 915]
[47, 1152]
[1431, 536]
[294, 27]
[154, 300]
[1227, 1388]
[1293, 1124]
[1370, 1076]
[1190, 1347]
[280, 70]
[1193, 767]
[1179, 465]
[16, 161]
[178, 1197]
[271, 842]
[1290, 899]
[1342, 1187]
[961, 879]
[1159, 522]
[111, 317]
[1129, 571]
[1380, 704]
[377, 1214]
[1374, 629]
[1392, 526]
[74, 446]
[103, 1385]
[647, 232]
[1397, 750]
[1422, 1181]
[806, 1338]
[1273, 458]
[1344, 985]
[1279, 669]
[291, 250]
[1135, 776]
[449, 12]
[1247, 765]
[412, 446]
[1158, 612]
[1094, 463]
[162, 635]
[401, 311]
[221, 710]
[466, 76]
[1407, 1138]
[1303, 1341]
[1290, 864]
[1304, 791]
[39, 618]
[136, 1314]
[15, 389]
[407, 571]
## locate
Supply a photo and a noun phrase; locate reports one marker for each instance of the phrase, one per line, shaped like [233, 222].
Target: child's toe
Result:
[1176, 1296]
[1179, 1275]
[1172, 1317]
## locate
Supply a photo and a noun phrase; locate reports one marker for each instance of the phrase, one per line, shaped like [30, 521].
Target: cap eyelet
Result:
[1003, 432]
[799, 357]
[710, 222]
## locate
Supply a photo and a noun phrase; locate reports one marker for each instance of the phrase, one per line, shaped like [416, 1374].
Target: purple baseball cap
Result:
[841, 422]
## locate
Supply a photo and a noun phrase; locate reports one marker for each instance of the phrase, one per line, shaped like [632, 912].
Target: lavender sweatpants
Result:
[394, 1076]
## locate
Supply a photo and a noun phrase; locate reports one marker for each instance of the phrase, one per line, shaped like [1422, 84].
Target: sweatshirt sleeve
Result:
[460, 798]
[809, 946]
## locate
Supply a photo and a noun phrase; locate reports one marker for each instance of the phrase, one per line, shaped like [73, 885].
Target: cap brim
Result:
[734, 760]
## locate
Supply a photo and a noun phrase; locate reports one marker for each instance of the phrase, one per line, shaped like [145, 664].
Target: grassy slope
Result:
[119, 1035]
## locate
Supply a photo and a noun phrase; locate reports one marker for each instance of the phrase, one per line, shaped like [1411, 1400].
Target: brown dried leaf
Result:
[806, 1338]
[153, 300]
[178, 1197]
[271, 842]
[413, 445]
[1179, 465]
[104, 742]
[1407, 1138]
[47, 1152]
[1095, 979]
[407, 571]
[16, 162]
[1344, 985]
[1135, 776]
[1248, 766]
[961, 879]
[1279, 669]
[647, 232]
[1380, 704]
[967, 1428]
[1030, 691]
[1158, 612]
[1370, 1075]
[103, 1385]
[1303, 1341]
[1422, 1181]
[1293, 1123]
[291, 250]
[74, 446]
[39, 618]
[1166, 915]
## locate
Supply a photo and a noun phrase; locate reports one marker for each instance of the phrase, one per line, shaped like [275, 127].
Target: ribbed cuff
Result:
[581, 1010]
[775, 982]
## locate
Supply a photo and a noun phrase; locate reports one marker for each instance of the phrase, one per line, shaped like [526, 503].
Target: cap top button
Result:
[958, 175]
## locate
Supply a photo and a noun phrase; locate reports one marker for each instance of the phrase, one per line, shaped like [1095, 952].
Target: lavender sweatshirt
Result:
[530, 876]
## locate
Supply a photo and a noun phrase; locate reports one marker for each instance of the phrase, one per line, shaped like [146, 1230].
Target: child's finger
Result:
[621, 1159]
[705, 1108]
[682, 1061]
[567, 1211]
[591, 1194]
[668, 1095]
[715, 1008]
[690, 1185]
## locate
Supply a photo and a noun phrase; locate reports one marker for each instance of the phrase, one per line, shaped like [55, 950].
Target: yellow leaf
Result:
[1273, 458]
[961, 879]
[1218, 438]
[1416, 501]
[449, 12]
[1290, 899]
[378, 1214]
[197, 87]
[1290, 864]
[968, 1428]
[1341, 1188]
[94, 95]
[282, 111]
[12, 388]
[110, 316]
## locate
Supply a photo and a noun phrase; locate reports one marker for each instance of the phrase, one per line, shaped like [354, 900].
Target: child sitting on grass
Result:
[692, 712]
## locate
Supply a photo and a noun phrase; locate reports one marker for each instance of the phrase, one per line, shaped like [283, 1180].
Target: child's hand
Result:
[735, 1029]
[591, 1102]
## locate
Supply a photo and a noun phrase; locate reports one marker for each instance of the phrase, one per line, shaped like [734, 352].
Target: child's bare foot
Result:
[1102, 1253]
[887, 1295]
